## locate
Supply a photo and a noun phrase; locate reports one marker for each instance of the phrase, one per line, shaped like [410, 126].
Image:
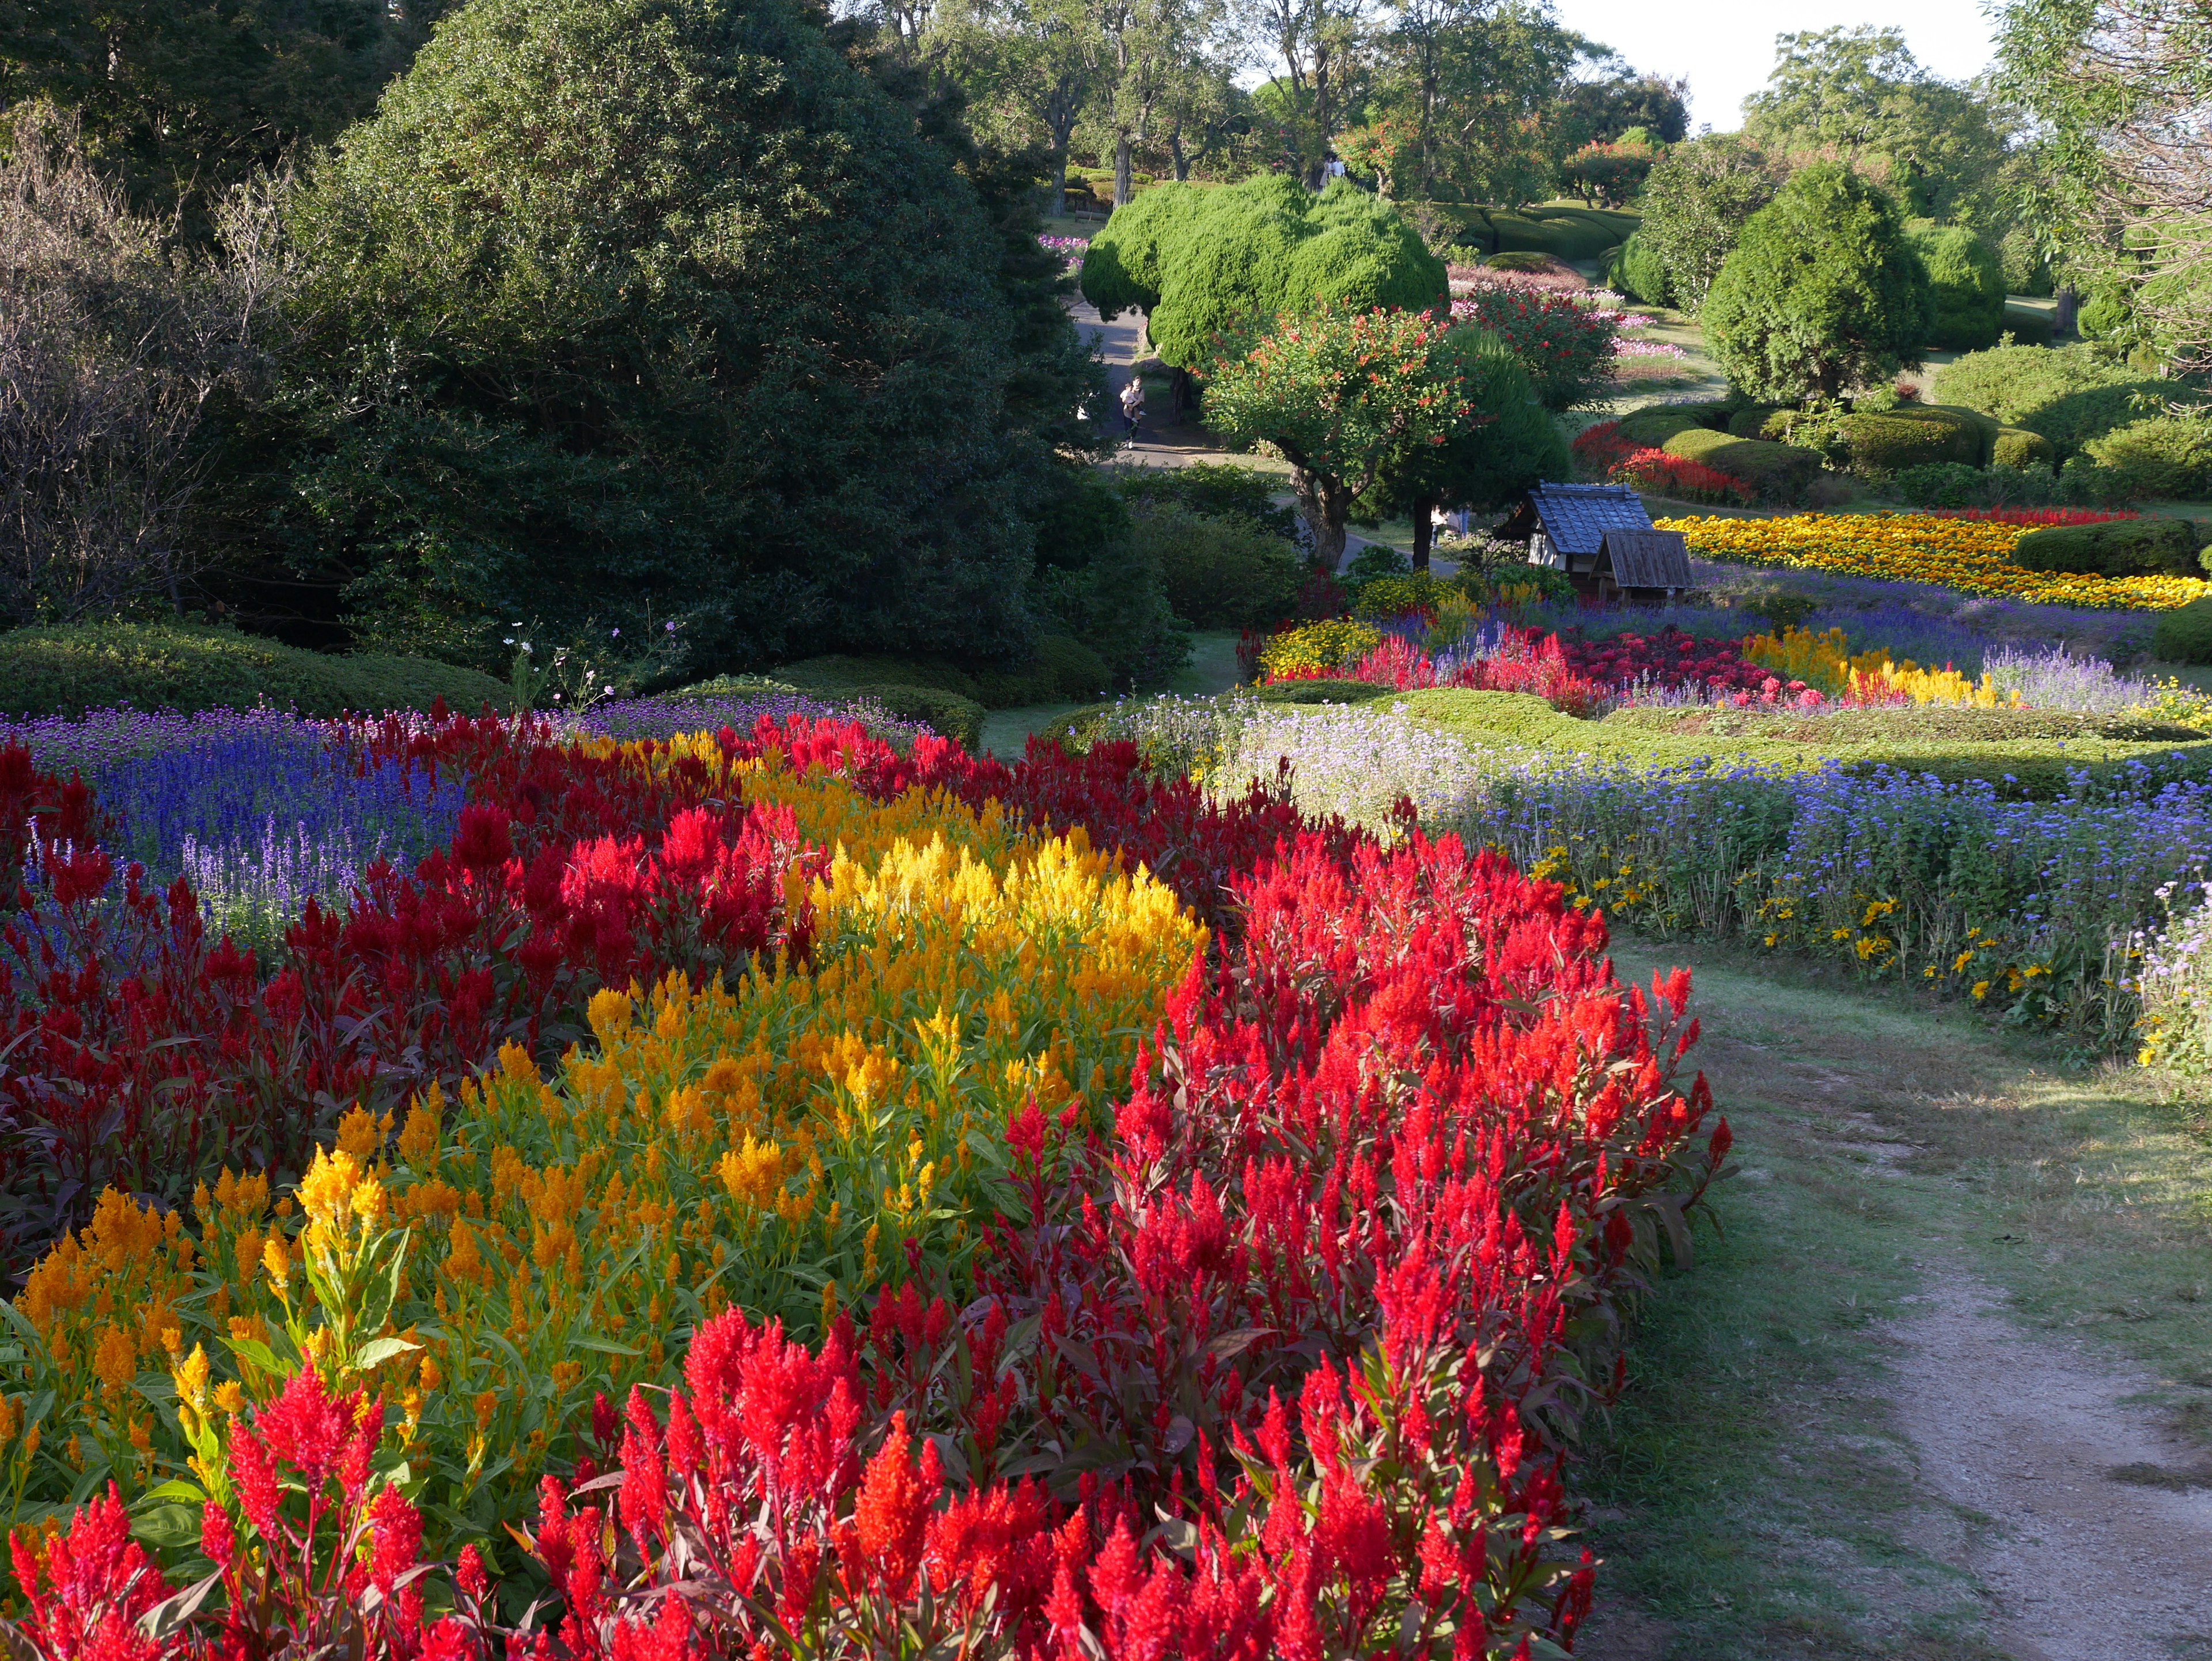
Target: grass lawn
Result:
[1761, 1493]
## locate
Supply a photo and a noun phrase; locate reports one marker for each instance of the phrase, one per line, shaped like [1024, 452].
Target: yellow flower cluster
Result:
[1823, 661]
[779, 1144]
[1969, 556]
[1886, 681]
[1317, 647]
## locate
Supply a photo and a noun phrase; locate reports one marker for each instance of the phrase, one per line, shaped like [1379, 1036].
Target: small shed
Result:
[1566, 528]
[1644, 568]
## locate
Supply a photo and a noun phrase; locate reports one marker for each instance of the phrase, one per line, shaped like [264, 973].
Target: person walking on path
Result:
[1133, 403]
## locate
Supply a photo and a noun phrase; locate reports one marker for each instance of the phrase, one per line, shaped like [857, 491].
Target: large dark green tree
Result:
[1823, 293]
[630, 312]
[181, 98]
[1201, 264]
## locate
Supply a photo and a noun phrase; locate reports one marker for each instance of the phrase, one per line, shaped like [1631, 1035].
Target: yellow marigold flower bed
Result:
[780, 1143]
[1969, 555]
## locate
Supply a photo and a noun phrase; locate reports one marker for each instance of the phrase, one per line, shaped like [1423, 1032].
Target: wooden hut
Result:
[1644, 568]
[1601, 537]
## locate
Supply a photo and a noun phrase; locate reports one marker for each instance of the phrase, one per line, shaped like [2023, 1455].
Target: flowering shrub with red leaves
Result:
[1673, 660]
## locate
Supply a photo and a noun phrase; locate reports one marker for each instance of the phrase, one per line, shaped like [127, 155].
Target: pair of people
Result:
[1133, 403]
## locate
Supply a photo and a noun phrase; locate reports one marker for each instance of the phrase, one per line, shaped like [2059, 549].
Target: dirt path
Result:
[1942, 1389]
[2030, 1431]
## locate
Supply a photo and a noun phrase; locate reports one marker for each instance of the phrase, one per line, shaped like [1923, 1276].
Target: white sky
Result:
[1726, 47]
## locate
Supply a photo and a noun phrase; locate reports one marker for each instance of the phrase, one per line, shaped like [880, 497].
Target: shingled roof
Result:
[1648, 559]
[1576, 517]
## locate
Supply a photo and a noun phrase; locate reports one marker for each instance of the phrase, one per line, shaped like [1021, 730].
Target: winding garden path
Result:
[1943, 1388]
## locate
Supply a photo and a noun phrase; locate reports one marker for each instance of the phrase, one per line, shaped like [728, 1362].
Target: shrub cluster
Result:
[69, 670]
[2116, 548]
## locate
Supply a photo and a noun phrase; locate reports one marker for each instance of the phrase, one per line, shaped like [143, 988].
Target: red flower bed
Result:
[1664, 474]
[143, 1053]
[2032, 515]
[1289, 1366]
[1674, 661]
[1599, 447]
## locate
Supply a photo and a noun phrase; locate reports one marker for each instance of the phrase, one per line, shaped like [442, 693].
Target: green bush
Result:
[2184, 634]
[2166, 456]
[1116, 604]
[1878, 445]
[1823, 292]
[2019, 448]
[1779, 472]
[620, 299]
[1519, 259]
[2069, 394]
[1750, 421]
[1953, 485]
[2115, 548]
[1639, 272]
[1655, 424]
[1218, 491]
[1206, 261]
[1218, 573]
[1062, 667]
[2107, 315]
[1965, 287]
[2026, 271]
[69, 670]
[949, 715]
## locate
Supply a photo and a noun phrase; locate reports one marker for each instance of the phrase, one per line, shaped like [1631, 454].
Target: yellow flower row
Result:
[1973, 557]
[782, 1144]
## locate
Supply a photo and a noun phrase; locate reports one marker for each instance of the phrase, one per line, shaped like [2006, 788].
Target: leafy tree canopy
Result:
[183, 98]
[1858, 95]
[1346, 396]
[1508, 443]
[1823, 293]
[1209, 262]
[1697, 200]
[1965, 287]
[623, 312]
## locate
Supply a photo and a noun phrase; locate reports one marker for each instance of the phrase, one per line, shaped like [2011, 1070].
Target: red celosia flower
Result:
[891, 1515]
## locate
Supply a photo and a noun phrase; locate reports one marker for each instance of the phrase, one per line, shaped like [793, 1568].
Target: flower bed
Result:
[1041, 1285]
[1970, 556]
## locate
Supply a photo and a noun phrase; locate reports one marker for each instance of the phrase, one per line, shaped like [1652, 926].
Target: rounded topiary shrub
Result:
[68, 669]
[2016, 447]
[1880, 445]
[1639, 271]
[1751, 421]
[1965, 288]
[1779, 472]
[2116, 548]
[2184, 634]
[1651, 427]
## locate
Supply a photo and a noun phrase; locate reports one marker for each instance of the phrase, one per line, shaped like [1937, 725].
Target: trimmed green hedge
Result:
[1965, 287]
[1062, 668]
[2184, 634]
[2032, 760]
[69, 670]
[1879, 444]
[1779, 472]
[2116, 548]
[2068, 394]
[2019, 448]
[1655, 424]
